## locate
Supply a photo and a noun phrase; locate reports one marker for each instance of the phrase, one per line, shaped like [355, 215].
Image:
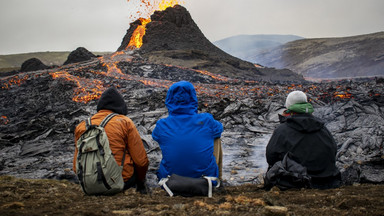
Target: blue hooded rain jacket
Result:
[186, 137]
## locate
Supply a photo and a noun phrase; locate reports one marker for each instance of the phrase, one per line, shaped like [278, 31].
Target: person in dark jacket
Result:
[122, 135]
[309, 141]
[186, 138]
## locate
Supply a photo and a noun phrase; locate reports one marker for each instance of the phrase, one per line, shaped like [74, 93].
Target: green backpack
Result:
[97, 169]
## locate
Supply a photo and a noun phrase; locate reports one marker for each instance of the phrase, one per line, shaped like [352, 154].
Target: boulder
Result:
[33, 64]
[79, 55]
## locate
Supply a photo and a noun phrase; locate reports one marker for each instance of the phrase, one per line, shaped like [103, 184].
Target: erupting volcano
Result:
[136, 39]
[172, 37]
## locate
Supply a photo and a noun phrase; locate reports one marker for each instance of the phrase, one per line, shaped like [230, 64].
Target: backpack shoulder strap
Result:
[210, 179]
[87, 123]
[104, 122]
[165, 186]
[106, 119]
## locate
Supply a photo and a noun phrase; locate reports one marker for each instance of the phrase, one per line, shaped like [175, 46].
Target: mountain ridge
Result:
[353, 56]
[244, 46]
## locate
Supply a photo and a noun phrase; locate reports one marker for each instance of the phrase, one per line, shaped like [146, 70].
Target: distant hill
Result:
[14, 61]
[246, 46]
[355, 56]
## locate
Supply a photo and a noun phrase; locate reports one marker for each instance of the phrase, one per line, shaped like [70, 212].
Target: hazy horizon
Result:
[64, 25]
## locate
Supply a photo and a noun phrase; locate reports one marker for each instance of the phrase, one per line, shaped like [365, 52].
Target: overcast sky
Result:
[99, 25]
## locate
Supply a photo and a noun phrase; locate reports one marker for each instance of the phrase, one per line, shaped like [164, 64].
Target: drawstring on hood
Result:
[181, 99]
[112, 100]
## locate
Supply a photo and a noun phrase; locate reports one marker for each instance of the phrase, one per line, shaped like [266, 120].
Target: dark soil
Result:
[53, 197]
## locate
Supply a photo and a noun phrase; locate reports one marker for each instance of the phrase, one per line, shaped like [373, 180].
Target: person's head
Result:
[297, 102]
[112, 100]
[295, 97]
[181, 98]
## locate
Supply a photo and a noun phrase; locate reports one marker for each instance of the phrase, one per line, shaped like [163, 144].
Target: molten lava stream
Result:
[137, 36]
[136, 40]
[16, 80]
[4, 120]
[86, 90]
[342, 95]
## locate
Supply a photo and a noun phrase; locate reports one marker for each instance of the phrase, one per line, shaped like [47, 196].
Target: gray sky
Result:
[100, 25]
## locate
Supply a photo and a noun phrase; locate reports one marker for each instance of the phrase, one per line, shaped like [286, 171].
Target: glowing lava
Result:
[87, 90]
[164, 4]
[137, 36]
[16, 80]
[136, 40]
[4, 120]
[342, 95]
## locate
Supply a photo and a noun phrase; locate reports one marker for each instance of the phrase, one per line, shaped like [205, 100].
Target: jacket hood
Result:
[112, 100]
[181, 99]
[304, 123]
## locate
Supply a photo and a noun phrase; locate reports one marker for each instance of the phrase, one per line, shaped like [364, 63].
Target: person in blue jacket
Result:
[186, 138]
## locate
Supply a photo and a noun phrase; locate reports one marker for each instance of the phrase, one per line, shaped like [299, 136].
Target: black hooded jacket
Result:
[309, 141]
[112, 100]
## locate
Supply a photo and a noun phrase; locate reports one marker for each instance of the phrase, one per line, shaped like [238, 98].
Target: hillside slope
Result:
[355, 56]
[246, 46]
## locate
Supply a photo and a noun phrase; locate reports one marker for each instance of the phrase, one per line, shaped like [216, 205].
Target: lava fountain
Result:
[136, 40]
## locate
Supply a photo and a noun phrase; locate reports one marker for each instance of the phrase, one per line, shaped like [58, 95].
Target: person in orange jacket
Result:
[122, 133]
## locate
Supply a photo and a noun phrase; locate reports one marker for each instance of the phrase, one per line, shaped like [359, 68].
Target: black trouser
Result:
[131, 182]
[327, 182]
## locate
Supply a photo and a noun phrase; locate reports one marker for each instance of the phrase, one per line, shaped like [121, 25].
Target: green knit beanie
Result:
[301, 108]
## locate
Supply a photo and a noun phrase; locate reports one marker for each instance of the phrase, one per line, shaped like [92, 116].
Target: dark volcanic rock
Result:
[174, 29]
[32, 64]
[172, 37]
[39, 114]
[79, 55]
[39, 111]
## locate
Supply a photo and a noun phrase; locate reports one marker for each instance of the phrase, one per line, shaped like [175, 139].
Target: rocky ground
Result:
[53, 197]
[39, 110]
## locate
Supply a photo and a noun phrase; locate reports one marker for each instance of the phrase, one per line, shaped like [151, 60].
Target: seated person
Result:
[309, 141]
[186, 138]
[123, 136]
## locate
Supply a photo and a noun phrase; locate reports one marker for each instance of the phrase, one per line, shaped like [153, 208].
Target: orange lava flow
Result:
[16, 80]
[136, 40]
[4, 120]
[342, 96]
[87, 90]
[214, 76]
[164, 84]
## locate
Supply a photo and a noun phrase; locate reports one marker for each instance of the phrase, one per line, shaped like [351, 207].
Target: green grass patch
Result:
[48, 58]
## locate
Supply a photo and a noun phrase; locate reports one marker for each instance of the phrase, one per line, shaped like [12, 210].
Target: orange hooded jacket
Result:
[121, 132]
